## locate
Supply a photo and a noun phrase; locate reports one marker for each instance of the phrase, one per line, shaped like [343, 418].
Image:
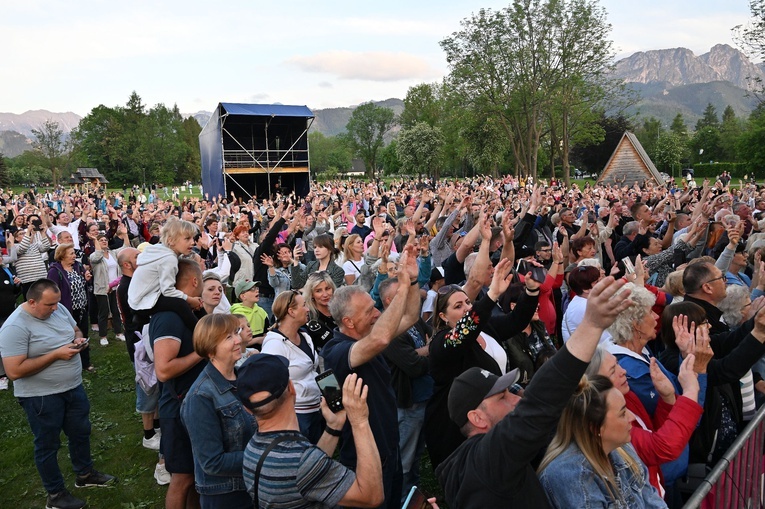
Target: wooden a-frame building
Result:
[629, 164]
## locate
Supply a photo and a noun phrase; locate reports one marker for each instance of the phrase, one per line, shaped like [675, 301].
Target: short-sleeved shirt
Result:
[295, 474]
[23, 334]
[383, 412]
[168, 326]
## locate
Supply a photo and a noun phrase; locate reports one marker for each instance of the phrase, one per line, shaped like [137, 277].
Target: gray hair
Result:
[630, 228]
[733, 304]
[467, 265]
[622, 330]
[341, 301]
[385, 288]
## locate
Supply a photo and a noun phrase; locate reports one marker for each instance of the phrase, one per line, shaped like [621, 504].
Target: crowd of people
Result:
[545, 346]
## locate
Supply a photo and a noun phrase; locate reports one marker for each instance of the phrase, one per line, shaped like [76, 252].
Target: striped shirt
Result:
[295, 474]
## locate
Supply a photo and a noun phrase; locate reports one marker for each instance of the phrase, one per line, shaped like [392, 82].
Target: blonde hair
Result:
[175, 229]
[314, 280]
[348, 246]
[211, 330]
[580, 423]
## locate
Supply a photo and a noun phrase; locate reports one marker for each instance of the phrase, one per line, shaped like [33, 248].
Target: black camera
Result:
[37, 223]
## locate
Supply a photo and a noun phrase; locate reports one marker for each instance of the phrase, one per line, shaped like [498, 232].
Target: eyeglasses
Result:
[715, 279]
[447, 289]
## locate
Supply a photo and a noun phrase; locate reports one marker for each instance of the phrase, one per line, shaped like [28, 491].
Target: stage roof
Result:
[267, 110]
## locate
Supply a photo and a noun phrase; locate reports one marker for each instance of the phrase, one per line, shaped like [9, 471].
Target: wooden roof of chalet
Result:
[83, 175]
[631, 163]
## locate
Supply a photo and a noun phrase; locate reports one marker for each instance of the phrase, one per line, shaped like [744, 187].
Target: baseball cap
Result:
[474, 386]
[437, 274]
[244, 285]
[262, 373]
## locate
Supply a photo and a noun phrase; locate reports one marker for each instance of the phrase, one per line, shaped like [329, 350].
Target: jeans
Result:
[265, 304]
[311, 425]
[48, 416]
[411, 443]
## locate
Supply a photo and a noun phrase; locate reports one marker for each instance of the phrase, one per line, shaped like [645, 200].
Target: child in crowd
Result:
[249, 295]
[153, 286]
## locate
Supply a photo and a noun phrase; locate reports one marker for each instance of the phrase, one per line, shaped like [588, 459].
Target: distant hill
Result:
[23, 123]
[13, 144]
[675, 80]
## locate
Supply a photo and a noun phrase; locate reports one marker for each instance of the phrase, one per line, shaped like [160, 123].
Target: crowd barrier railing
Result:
[738, 479]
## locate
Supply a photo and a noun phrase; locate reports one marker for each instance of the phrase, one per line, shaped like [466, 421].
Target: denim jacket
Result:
[219, 428]
[570, 481]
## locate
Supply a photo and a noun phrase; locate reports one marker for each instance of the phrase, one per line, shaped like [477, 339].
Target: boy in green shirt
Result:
[249, 293]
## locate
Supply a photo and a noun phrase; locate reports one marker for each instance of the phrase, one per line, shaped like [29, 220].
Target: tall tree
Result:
[514, 63]
[328, 153]
[419, 149]
[751, 37]
[5, 179]
[751, 144]
[730, 132]
[422, 104]
[49, 142]
[594, 157]
[709, 118]
[366, 128]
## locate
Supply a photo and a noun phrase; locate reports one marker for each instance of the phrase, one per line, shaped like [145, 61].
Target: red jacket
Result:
[666, 435]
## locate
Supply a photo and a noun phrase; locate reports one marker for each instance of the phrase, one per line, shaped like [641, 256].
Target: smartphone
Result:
[299, 242]
[81, 345]
[416, 500]
[331, 390]
[629, 267]
[538, 274]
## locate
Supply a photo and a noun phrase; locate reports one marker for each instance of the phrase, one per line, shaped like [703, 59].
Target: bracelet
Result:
[413, 283]
[532, 293]
[333, 432]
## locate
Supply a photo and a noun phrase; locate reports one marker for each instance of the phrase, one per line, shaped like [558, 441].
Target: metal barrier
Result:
[737, 479]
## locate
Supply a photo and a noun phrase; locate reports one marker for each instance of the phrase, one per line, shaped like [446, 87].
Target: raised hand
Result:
[662, 384]
[685, 334]
[266, 260]
[702, 350]
[355, 400]
[603, 305]
[501, 279]
[688, 378]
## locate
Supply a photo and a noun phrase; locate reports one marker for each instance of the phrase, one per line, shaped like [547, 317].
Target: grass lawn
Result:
[115, 442]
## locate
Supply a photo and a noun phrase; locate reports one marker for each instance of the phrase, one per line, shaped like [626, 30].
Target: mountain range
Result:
[668, 81]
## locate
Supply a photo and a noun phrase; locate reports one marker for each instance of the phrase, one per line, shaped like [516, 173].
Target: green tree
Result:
[328, 153]
[648, 134]
[366, 128]
[730, 132]
[422, 104]
[49, 142]
[389, 161]
[487, 143]
[751, 37]
[5, 179]
[515, 63]
[751, 143]
[669, 154]
[709, 118]
[419, 149]
[678, 125]
[595, 156]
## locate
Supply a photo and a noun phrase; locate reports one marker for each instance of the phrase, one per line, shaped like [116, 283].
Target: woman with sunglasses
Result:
[286, 339]
[462, 342]
[218, 425]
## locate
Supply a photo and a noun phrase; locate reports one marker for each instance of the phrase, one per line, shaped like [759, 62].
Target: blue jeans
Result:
[411, 444]
[311, 425]
[48, 416]
[265, 304]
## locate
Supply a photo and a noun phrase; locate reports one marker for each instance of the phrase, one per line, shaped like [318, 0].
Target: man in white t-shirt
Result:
[63, 224]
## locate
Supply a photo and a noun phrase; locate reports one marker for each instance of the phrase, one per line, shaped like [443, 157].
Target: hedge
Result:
[714, 170]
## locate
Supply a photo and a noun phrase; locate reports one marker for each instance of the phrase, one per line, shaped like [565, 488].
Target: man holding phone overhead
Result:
[39, 344]
[362, 335]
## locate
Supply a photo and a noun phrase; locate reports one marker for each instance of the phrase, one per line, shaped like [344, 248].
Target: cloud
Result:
[258, 97]
[371, 65]
[325, 84]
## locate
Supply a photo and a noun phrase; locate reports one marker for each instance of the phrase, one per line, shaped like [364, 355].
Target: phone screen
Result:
[331, 390]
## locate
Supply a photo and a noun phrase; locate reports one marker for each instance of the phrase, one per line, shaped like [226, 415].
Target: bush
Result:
[713, 170]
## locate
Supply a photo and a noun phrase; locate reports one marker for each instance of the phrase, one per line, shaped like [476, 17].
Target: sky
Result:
[73, 56]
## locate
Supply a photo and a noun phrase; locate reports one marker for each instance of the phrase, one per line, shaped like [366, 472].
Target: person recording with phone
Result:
[29, 253]
[281, 467]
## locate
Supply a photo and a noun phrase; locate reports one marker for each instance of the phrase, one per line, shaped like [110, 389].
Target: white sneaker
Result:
[161, 474]
[3, 384]
[120, 336]
[152, 443]
[104, 342]
[94, 327]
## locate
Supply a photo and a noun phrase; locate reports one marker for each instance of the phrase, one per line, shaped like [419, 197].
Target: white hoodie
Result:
[155, 275]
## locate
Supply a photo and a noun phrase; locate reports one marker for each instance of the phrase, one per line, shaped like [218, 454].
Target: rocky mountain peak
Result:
[680, 66]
